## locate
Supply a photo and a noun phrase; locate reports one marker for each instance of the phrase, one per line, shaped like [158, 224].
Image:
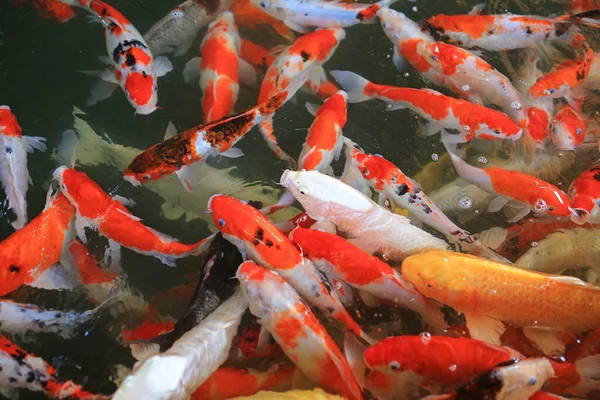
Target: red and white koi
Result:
[310, 50]
[256, 237]
[23, 370]
[566, 78]
[99, 211]
[51, 9]
[14, 175]
[440, 111]
[176, 31]
[336, 257]
[301, 14]
[525, 192]
[133, 67]
[299, 333]
[584, 194]
[247, 382]
[29, 252]
[219, 68]
[568, 129]
[366, 225]
[498, 32]
[206, 140]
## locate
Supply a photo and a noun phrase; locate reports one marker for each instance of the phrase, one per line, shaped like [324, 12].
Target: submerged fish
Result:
[14, 175]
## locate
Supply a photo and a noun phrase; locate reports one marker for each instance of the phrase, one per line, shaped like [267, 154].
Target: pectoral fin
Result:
[485, 328]
[545, 339]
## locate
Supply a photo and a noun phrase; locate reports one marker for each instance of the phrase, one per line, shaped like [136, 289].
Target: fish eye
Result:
[395, 365]
[578, 131]
[365, 172]
[303, 189]
[550, 208]
[263, 4]
[555, 130]
[532, 381]
[221, 222]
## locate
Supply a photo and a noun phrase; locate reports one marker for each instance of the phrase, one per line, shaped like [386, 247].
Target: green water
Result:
[39, 80]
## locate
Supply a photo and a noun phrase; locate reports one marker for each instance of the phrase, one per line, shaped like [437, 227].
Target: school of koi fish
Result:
[363, 299]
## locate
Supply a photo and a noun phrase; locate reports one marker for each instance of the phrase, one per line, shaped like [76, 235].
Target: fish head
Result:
[397, 26]
[323, 196]
[234, 217]
[85, 194]
[498, 126]
[274, 8]
[390, 356]
[568, 129]
[519, 380]
[584, 195]
[141, 89]
[8, 122]
[265, 290]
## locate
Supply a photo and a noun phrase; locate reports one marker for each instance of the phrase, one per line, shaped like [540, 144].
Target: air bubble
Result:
[406, 74]
[425, 337]
[338, 285]
[465, 88]
[534, 244]
[466, 128]
[453, 367]
[515, 105]
[482, 160]
[435, 157]
[177, 14]
[465, 202]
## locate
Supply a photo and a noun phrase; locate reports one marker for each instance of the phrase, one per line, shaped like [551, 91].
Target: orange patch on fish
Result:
[8, 123]
[139, 87]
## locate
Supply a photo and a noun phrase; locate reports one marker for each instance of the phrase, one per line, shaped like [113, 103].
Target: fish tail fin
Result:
[286, 200]
[529, 144]
[114, 293]
[588, 18]
[65, 152]
[34, 143]
[143, 350]
[354, 350]
[353, 84]
[266, 130]
[470, 173]
[589, 367]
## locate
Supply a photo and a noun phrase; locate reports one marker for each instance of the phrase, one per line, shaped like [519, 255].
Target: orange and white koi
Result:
[99, 211]
[30, 251]
[301, 14]
[497, 32]
[247, 382]
[133, 67]
[566, 78]
[490, 294]
[406, 35]
[203, 141]
[525, 192]
[440, 111]
[584, 193]
[256, 237]
[23, 370]
[366, 225]
[568, 129]
[310, 50]
[219, 68]
[336, 257]
[14, 175]
[300, 334]
[250, 15]
[176, 31]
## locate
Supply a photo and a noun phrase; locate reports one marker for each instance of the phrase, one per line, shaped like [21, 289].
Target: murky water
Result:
[39, 79]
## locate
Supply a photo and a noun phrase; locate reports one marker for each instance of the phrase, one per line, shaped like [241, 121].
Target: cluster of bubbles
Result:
[465, 202]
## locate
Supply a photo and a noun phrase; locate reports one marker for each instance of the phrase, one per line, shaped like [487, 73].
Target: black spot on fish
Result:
[305, 56]
[597, 176]
[581, 74]
[144, 74]
[124, 47]
[256, 204]
[19, 356]
[426, 209]
[402, 189]
[268, 243]
[57, 315]
[259, 236]
[15, 269]
[528, 30]
[8, 150]
[41, 324]
[23, 309]
[330, 309]
[13, 380]
[562, 28]
[30, 377]
[130, 60]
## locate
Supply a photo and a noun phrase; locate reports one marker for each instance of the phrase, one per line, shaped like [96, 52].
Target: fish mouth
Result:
[285, 177]
[210, 200]
[579, 216]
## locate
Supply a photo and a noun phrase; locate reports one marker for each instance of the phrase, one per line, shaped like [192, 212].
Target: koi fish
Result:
[51, 9]
[301, 14]
[323, 143]
[132, 66]
[181, 370]
[310, 50]
[14, 175]
[203, 141]
[584, 193]
[540, 303]
[513, 380]
[247, 382]
[99, 211]
[250, 15]
[219, 68]
[498, 32]
[568, 129]
[256, 55]
[370, 227]
[525, 192]
[566, 78]
[301, 220]
[336, 257]
[300, 334]
[440, 111]
[176, 31]
[23, 370]
[257, 238]
[30, 251]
